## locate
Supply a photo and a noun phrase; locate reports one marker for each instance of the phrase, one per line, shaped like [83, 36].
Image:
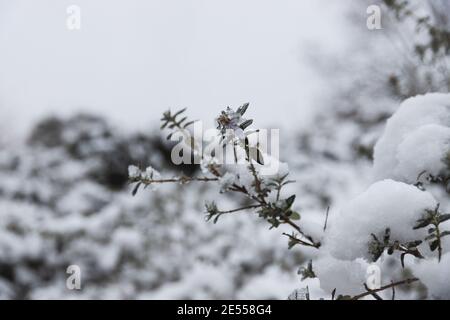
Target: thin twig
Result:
[240, 209]
[372, 293]
[299, 241]
[300, 231]
[326, 219]
[177, 180]
[393, 284]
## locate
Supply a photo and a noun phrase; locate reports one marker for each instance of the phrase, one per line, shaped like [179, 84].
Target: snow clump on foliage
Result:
[416, 139]
[386, 204]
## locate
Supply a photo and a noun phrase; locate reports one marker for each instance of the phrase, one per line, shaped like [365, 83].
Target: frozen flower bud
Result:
[134, 172]
[230, 121]
[150, 174]
[226, 181]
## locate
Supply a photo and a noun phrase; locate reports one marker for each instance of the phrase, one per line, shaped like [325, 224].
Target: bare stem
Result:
[372, 292]
[300, 241]
[178, 180]
[240, 209]
[300, 231]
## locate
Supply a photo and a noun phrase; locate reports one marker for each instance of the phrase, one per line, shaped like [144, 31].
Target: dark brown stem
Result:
[178, 180]
[299, 241]
[300, 231]
[372, 293]
[393, 284]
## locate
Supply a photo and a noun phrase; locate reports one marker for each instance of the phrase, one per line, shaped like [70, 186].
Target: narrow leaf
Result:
[444, 218]
[294, 215]
[242, 109]
[136, 188]
[290, 201]
[445, 233]
[246, 124]
[422, 224]
[179, 112]
[187, 124]
[434, 245]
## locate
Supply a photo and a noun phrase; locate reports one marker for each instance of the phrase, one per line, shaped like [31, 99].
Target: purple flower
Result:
[231, 121]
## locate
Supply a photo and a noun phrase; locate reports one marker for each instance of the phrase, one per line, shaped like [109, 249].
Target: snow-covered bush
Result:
[64, 197]
[351, 119]
[385, 205]
[392, 218]
[65, 200]
[435, 275]
[405, 212]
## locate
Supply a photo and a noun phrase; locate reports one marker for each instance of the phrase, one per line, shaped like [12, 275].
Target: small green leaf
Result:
[216, 219]
[182, 120]
[434, 245]
[445, 233]
[444, 218]
[402, 260]
[291, 244]
[413, 244]
[290, 201]
[179, 112]
[246, 124]
[136, 188]
[422, 223]
[430, 237]
[242, 109]
[390, 250]
[187, 124]
[294, 215]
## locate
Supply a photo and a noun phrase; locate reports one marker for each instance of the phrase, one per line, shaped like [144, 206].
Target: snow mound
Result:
[416, 139]
[386, 204]
[347, 277]
[423, 151]
[435, 276]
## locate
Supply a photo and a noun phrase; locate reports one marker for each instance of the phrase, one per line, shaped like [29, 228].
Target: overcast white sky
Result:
[132, 59]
